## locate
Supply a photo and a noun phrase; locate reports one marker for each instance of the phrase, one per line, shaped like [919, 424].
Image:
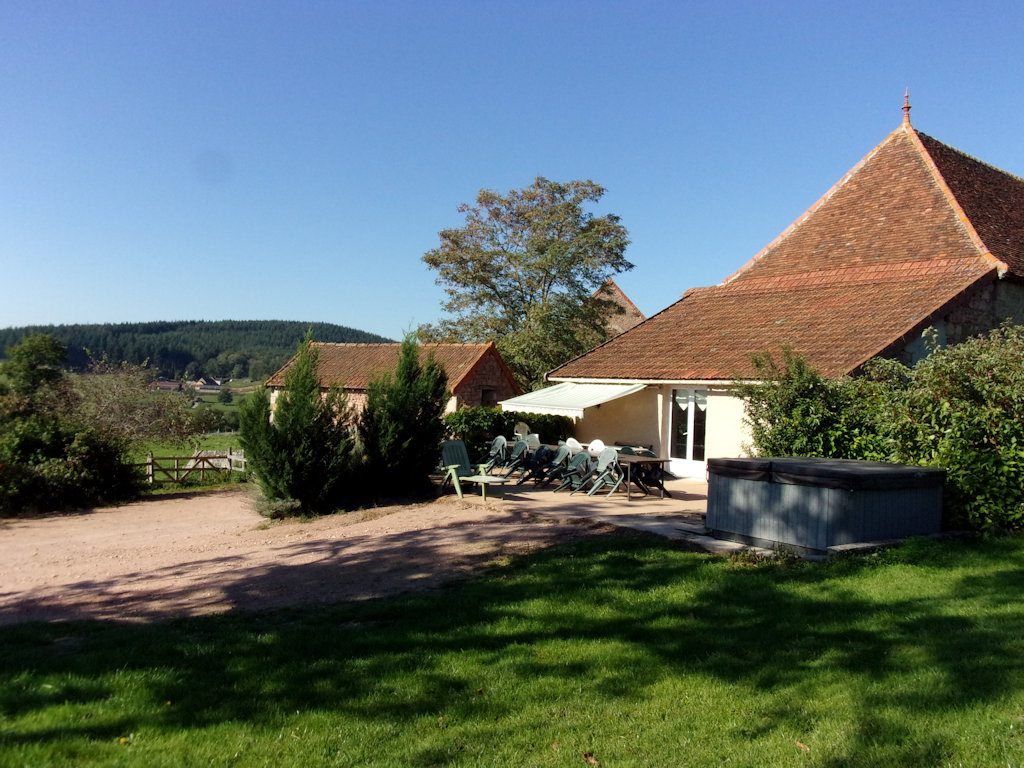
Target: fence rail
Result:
[177, 469]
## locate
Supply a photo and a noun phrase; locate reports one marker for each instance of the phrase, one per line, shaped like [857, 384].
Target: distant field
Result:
[218, 441]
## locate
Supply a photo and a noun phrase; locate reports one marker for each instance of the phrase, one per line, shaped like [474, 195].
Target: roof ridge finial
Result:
[906, 107]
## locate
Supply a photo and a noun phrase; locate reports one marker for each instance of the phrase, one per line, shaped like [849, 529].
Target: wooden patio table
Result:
[629, 461]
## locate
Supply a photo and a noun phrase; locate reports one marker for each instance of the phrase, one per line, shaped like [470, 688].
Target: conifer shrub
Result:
[303, 453]
[400, 426]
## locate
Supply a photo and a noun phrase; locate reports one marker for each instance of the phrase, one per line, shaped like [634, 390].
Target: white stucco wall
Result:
[630, 420]
[726, 435]
[645, 419]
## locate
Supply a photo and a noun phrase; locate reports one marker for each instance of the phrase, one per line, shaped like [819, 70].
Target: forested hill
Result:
[220, 349]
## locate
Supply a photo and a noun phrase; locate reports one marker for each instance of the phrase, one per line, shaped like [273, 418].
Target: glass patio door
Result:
[689, 426]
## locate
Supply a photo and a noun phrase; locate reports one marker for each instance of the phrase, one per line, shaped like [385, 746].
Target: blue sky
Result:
[294, 160]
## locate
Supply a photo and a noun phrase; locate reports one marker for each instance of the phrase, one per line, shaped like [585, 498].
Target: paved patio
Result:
[680, 517]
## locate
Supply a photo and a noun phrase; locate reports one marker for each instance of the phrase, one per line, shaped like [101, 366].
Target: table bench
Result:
[486, 480]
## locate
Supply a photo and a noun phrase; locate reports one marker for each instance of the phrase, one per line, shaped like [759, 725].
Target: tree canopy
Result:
[523, 272]
[232, 349]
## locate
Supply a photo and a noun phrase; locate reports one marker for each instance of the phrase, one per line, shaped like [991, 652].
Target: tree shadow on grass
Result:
[610, 618]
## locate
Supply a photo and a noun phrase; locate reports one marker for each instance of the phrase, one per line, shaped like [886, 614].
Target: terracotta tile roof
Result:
[355, 365]
[832, 317]
[992, 200]
[891, 246]
[895, 206]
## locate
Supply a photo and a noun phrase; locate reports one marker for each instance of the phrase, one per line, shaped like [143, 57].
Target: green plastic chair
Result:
[607, 474]
[576, 473]
[553, 469]
[499, 446]
[516, 460]
[455, 460]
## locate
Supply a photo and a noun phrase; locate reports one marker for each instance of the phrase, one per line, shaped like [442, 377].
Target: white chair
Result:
[521, 430]
[574, 446]
[595, 447]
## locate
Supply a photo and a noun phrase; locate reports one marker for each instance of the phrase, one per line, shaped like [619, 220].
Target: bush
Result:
[400, 424]
[961, 408]
[56, 451]
[47, 463]
[795, 411]
[305, 454]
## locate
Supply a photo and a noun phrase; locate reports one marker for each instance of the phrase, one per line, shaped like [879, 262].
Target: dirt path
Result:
[211, 552]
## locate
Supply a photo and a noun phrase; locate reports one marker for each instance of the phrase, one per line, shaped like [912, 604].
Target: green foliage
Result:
[477, 426]
[961, 408]
[225, 396]
[50, 463]
[523, 270]
[33, 364]
[794, 411]
[55, 450]
[177, 350]
[305, 453]
[400, 425]
[117, 400]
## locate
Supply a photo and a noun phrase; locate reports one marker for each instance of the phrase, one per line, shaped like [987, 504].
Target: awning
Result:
[568, 398]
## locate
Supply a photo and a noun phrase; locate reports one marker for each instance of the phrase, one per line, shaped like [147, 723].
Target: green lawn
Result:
[215, 441]
[621, 651]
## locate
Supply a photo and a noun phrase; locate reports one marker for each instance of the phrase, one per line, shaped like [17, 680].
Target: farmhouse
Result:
[916, 235]
[477, 375]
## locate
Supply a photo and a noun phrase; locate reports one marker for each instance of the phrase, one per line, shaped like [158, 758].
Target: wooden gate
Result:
[177, 469]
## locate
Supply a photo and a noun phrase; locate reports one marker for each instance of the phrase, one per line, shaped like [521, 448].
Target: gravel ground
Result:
[203, 553]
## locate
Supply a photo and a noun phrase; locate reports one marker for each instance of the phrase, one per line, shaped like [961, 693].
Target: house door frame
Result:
[687, 431]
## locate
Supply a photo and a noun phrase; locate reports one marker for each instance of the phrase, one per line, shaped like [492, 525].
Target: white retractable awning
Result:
[568, 398]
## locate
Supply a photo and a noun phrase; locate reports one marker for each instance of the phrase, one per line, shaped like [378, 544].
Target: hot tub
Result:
[810, 505]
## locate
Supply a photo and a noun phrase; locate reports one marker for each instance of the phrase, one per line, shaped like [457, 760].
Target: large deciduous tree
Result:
[523, 272]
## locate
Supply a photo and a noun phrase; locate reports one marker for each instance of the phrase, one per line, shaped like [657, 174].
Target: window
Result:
[488, 397]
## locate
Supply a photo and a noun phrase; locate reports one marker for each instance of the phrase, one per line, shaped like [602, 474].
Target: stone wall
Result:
[487, 384]
[984, 308]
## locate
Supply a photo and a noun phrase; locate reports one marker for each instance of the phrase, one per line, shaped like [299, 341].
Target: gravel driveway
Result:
[211, 552]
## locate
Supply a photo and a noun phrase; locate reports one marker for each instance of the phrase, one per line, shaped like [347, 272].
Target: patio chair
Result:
[522, 429]
[574, 446]
[536, 464]
[607, 474]
[499, 446]
[576, 473]
[455, 460]
[533, 441]
[516, 459]
[555, 469]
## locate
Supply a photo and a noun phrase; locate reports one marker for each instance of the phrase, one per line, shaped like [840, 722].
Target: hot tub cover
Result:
[844, 474]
